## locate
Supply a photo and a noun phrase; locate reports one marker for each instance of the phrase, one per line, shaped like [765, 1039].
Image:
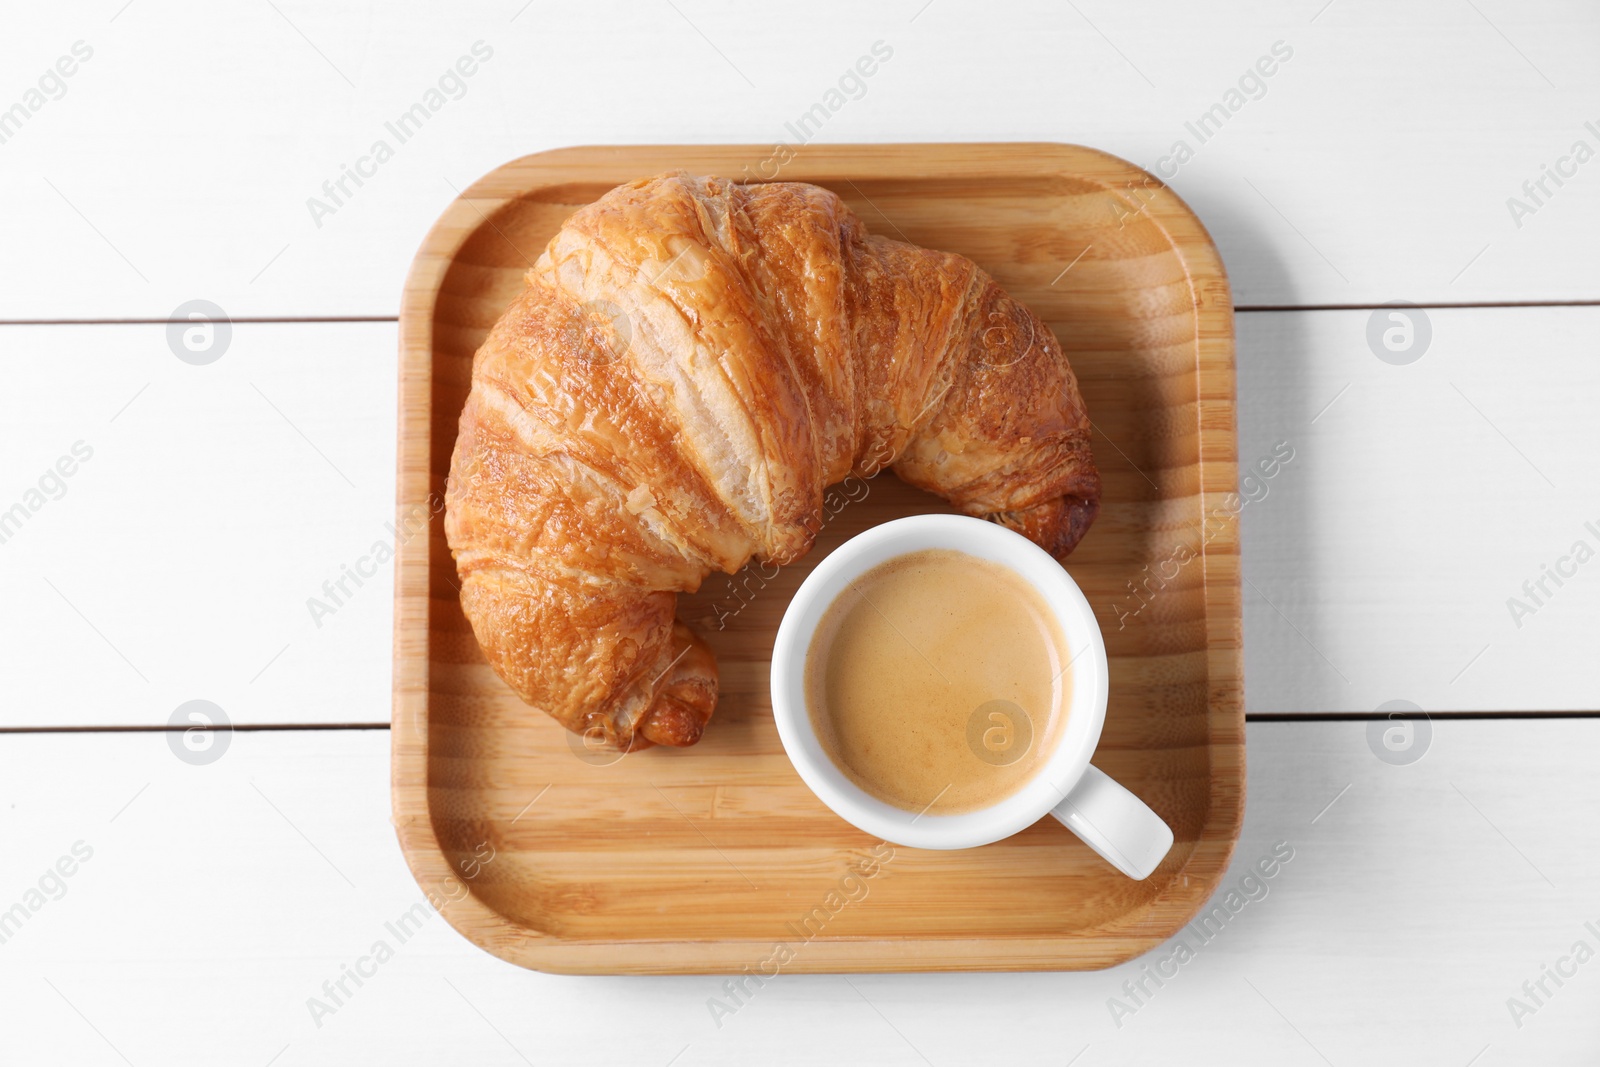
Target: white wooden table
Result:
[1433, 911]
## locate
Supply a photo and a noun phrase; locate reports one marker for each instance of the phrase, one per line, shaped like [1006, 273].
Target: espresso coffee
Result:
[938, 681]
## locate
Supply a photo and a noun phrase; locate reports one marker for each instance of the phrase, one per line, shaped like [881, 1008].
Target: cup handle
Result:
[1116, 824]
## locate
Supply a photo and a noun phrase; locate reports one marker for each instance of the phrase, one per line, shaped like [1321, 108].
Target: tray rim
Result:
[1216, 420]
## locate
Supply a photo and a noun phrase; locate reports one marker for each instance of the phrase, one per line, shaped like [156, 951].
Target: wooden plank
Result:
[1416, 903]
[1376, 162]
[1384, 558]
[177, 561]
[1348, 542]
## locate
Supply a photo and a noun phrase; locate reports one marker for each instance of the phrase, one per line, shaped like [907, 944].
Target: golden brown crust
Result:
[692, 363]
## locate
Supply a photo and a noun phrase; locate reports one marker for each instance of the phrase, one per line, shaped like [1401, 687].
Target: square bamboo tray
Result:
[717, 858]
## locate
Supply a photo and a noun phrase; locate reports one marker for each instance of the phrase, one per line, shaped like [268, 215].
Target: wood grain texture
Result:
[701, 860]
[1394, 936]
[1375, 164]
[1344, 614]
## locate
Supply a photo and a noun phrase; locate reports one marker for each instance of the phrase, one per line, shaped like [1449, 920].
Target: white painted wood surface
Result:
[220, 898]
[1378, 162]
[220, 498]
[176, 562]
[1375, 163]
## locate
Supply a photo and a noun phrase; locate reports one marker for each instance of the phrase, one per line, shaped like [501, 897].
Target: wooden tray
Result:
[717, 858]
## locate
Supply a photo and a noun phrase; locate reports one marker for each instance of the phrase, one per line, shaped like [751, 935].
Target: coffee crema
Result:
[937, 681]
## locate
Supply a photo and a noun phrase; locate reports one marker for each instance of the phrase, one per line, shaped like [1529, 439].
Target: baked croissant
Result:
[692, 363]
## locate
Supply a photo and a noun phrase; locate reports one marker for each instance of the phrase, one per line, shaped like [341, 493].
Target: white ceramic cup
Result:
[1112, 821]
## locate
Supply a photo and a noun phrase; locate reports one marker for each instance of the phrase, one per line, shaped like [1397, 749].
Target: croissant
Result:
[691, 364]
